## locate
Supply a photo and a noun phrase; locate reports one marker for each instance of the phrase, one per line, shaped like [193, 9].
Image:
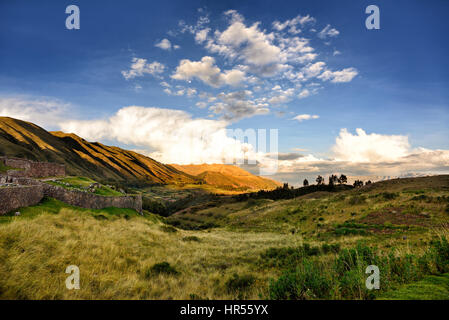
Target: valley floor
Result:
[312, 247]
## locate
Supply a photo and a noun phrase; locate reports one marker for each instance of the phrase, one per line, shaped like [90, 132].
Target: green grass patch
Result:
[430, 288]
[53, 206]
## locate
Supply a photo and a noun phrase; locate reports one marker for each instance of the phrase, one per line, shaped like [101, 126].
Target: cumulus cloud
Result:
[302, 117]
[237, 105]
[282, 96]
[292, 25]
[328, 31]
[164, 44]
[206, 71]
[371, 155]
[42, 111]
[363, 147]
[201, 35]
[345, 75]
[170, 136]
[140, 67]
[313, 70]
[304, 94]
[250, 44]
[258, 56]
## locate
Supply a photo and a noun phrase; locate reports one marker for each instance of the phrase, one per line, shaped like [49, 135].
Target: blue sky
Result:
[390, 82]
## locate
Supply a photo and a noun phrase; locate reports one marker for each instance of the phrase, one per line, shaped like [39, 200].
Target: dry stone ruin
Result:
[19, 187]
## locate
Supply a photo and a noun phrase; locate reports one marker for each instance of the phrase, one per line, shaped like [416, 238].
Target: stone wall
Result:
[12, 198]
[92, 201]
[16, 184]
[33, 169]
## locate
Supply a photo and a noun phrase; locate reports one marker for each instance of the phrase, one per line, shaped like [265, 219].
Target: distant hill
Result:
[228, 177]
[105, 163]
[26, 140]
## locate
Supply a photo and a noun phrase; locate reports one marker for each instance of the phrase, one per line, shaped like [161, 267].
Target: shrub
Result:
[420, 197]
[334, 248]
[440, 250]
[288, 257]
[154, 206]
[356, 200]
[169, 229]
[347, 231]
[239, 283]
[160, 268]
[388, 195]
[352, 284]
[191, 238]
[306, 282]
[349, 259]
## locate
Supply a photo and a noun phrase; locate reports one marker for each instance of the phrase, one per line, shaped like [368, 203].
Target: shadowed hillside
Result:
[228, 177]
[27, 140]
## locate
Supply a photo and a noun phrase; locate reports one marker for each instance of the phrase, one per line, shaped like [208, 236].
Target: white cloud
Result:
[373, 147]
[291, 25]
[201, 35]
[367, 155]
[164, 44]
[313, 70]
[302, 117]
[345, 75]
[283, 96]
[304, 94]
[206, 71]
[252, 45]
[170, 136]
[328, 31]
[237, 105]
[42, 111]
[139, 67]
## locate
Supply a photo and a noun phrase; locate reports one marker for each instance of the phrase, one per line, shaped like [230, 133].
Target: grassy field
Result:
[312, 247]
[430, 288]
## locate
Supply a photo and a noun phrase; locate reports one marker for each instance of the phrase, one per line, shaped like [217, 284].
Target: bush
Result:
[308, 281]
[440, 250]
[239, 283]
[356, 200]
[352, 284]
[169, 229]
[334, 248]
[191, 238]
[154, 206]
[288, 257]
[388, 195]
[160, 268]
[350, 259]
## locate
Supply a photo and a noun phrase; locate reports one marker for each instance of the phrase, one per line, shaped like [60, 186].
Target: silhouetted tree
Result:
[343, 179]
[368, 182]
[305, 183]
[358, 183]
[319, 180]
[285, 185]
[333, 180]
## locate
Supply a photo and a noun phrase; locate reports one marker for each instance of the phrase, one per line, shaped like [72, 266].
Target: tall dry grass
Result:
[114, 255]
